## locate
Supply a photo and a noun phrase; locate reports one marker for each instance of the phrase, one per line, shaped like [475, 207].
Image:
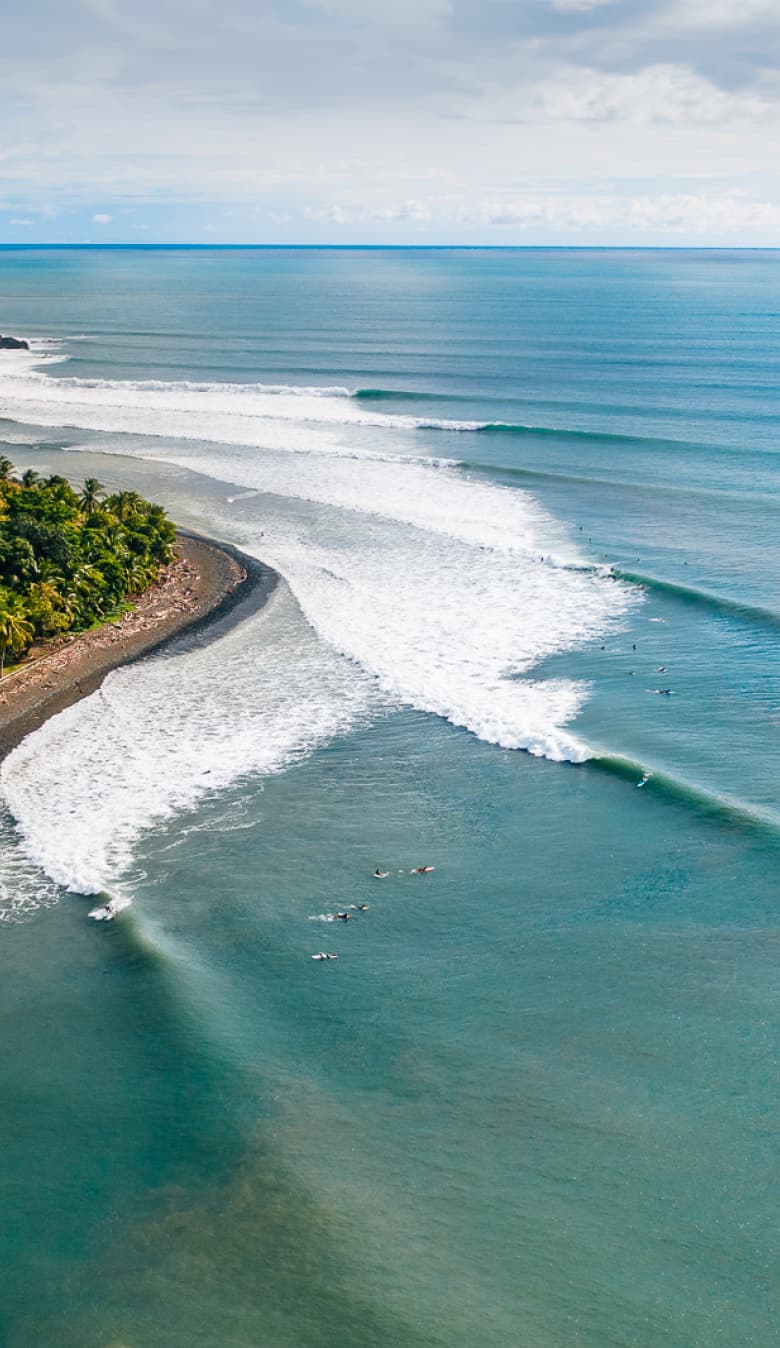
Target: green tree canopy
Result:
[68, 558]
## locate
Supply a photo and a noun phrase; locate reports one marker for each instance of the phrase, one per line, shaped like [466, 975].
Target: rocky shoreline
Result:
[206, 582]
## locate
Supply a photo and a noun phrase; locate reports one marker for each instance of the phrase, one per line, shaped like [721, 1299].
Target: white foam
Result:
[160, 736]
[449, 629]
[24, 888]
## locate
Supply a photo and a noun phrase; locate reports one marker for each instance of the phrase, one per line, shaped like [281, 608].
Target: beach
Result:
[206, 582]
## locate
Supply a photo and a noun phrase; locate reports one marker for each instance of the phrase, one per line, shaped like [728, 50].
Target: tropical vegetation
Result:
[70, 559]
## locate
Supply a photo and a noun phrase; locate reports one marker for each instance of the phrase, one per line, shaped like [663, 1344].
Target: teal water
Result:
[534, 1102]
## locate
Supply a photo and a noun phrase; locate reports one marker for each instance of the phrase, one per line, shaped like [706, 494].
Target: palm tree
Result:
[90, 494]
[84, 590]
[15, 632]
[138, 575]
[50, 610]
[6, 468]
[29, 477]
[125, 503]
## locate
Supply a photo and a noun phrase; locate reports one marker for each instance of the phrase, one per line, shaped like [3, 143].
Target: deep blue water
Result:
[511, 494]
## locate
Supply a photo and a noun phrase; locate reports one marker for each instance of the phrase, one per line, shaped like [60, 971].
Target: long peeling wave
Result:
[687, 594]
[708, 804]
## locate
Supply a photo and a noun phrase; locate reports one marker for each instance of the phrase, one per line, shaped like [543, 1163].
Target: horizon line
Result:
[404, 247]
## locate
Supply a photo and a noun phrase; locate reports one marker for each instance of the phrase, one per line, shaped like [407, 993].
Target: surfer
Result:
[661, 669]
[362, 907]
[664, 691]
[343, 917]
[422, 870]
[380, 875]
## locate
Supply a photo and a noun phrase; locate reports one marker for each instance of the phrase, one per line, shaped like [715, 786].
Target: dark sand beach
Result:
[207, 584]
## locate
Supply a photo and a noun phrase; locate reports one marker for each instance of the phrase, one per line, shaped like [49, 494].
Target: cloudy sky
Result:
[398, 121]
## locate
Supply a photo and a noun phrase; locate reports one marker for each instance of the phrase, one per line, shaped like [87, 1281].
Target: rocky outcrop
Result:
[14, 344]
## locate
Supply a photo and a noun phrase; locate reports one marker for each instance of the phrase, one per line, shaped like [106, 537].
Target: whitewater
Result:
[407, 584]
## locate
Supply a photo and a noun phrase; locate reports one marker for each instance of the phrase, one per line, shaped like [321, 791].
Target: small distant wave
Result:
[43, 343]
[564, 433]
[401, 395]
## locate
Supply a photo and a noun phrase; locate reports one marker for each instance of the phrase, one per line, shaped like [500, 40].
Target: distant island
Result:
[71, 560]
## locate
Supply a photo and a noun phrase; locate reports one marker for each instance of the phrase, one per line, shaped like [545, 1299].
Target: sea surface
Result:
[524, 506]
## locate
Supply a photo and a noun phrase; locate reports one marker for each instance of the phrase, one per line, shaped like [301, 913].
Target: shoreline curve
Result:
[208, 589]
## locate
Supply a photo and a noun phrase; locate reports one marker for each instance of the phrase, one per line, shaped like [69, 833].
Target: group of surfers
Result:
[345, 916]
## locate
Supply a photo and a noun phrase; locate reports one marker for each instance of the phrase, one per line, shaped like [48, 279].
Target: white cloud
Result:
[657, 93]
[667, 214]
[397, 14]
[580, 6]
[409, 210]
[101, 218]
[720, 13]
[332, 215]
[20, 223]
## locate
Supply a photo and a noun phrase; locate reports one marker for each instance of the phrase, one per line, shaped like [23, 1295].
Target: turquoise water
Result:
[534, 1102]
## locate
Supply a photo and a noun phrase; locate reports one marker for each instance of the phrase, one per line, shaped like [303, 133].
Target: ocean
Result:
[524, 507]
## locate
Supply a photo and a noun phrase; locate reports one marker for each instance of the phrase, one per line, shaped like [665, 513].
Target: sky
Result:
[498, 122]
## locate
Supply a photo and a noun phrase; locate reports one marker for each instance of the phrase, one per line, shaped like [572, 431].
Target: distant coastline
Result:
[208, 585]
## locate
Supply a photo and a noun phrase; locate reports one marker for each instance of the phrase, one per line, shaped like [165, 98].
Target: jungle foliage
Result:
[69, 559]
